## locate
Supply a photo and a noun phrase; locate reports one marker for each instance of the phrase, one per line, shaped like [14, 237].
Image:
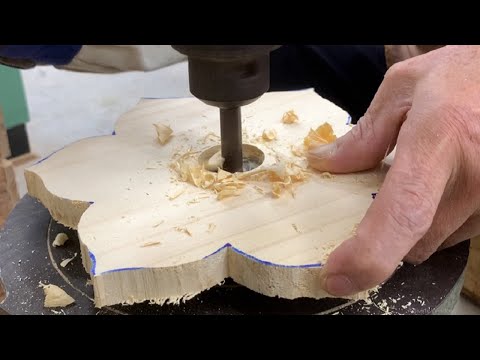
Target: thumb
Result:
[376, 134]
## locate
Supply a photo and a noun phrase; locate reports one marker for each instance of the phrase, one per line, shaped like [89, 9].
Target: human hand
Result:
[429, 107]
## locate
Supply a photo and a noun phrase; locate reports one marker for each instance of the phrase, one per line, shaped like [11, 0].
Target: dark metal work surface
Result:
[27, 258]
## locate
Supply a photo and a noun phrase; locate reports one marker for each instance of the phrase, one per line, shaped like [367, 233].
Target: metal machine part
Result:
[229, 77]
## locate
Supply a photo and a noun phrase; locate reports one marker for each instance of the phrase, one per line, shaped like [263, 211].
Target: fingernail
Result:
[323, 151]
[339, 285]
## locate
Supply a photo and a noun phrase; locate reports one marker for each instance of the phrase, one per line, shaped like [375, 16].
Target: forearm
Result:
[28, 56]
[90, 58]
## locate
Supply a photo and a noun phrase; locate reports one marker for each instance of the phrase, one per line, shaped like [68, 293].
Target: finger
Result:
[376, 134]
[453, 216]
[469, 230]
[401, 213]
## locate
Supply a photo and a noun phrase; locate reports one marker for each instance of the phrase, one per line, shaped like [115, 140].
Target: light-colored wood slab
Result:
[4, 145]
[8, 189]
[471, 286]
[129, 229]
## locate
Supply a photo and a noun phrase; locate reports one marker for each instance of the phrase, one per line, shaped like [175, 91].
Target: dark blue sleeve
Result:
[347, 75]
[41, 54]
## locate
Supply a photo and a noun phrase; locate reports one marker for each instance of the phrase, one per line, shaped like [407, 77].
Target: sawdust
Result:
[289, 117]
[354, 230]
[327, 249]
[326, 175]
[183, 230]
[67, 261]
[151, 243]
[164, 133]
[175, 194]
[297, 151]
[153, 164]
[55, 296]
[60, 240]
[322, 135]
[295, 227]
[158, 224]
[209, 137]
[211, 227]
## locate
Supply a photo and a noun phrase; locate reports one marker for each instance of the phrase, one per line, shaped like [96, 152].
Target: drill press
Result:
[229, 77]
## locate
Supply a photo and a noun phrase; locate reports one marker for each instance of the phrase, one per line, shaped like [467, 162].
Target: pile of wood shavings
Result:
[223, 183]
[281, 178]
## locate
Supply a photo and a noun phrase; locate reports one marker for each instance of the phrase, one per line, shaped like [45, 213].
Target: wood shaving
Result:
[211, 227]
[322, 135]
[269, 135]
[60, 240]
[151, 165]
[326, 175]
[222, 174]
[55, 296]
[176, 194]
[295, 227]
[183, 230]
[209, 137]
[297, 151]
[151, 243]
[164, 133]
[215, 162]
[259, 189]
[282, 177]
[67, 261]
[158, 224]
[289, 117]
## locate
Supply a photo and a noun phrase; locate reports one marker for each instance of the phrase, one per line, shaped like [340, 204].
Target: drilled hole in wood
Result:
[211, 158]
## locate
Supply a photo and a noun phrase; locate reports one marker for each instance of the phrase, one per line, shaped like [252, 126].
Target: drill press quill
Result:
[229, 77]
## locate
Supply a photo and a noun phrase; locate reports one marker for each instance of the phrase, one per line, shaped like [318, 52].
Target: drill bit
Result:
[231, 137]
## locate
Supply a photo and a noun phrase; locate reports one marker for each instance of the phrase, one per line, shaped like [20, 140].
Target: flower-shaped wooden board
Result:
[152, 229]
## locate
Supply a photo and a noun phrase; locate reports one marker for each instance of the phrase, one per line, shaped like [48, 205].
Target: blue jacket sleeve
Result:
[32, 55]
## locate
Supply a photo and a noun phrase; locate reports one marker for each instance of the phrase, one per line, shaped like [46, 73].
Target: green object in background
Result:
[12, 97]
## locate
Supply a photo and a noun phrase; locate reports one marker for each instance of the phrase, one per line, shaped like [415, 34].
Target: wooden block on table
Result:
[8, 189]
[4, 145]
[471, 286]
[3, 292]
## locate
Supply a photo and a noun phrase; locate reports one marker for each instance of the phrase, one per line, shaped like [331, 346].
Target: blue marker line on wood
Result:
[94, 262]
[122, 269]
[226, 246]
